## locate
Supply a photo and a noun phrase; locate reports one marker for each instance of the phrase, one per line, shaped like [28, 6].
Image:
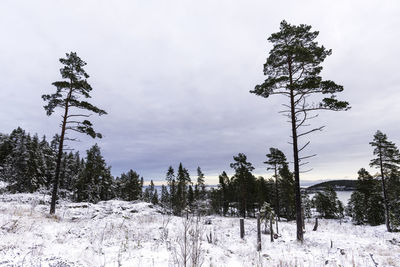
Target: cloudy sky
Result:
[175, 76]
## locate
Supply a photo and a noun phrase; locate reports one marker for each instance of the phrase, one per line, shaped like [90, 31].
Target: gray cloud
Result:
[175, 78]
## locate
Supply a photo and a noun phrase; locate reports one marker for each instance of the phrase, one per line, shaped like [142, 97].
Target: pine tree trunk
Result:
[276, 195]
[299, 221]
[59, 157]
[385, 200]
[315, 225]
[271, 228]
[241, 228]
[258, 232]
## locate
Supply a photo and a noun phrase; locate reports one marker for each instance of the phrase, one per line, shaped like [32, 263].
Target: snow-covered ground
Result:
[119, 233]
[3, 184]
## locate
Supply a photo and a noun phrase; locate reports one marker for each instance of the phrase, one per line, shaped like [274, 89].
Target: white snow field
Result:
[119, 233]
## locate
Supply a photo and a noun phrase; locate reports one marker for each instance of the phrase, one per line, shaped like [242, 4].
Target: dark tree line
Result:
[179, 194]
[243, 194]
[27, 164]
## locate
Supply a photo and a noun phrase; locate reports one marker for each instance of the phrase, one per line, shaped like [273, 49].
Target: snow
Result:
[120, 233]
[3, 184]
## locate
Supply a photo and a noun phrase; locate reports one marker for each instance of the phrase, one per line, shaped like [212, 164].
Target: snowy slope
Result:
[119, 233]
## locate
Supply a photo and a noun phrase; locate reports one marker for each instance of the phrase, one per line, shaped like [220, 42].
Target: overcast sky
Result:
[175, 76]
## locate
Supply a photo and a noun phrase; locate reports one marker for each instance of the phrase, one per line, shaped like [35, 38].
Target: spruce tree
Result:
[151, 192]
[393, 194]
[244, 180]
[190, 196]
[200, 188]
[265, 191]
[141, 186]
[326, 203]
[68, 95]
[5, 150]
[387, 159]
[225, 196]
[183, 180]
[129, 186]
[49, 156]
[170, 177]
[165, 197]
[293, 70]
[95, 181]
[276, 159]
[22, 161]
[16, 163]
[154, 198]
[286, 187]
[356, 207]
[36, 164]
[216, 200]
[147, 195]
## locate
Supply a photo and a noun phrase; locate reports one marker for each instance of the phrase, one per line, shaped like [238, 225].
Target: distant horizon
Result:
[302, 182]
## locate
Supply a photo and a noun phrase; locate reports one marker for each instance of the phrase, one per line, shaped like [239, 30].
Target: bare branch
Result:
[306, 170]
[79, 115]
[303, 120]
[313, 130]
[73, 129]
[303, 146]
[307, 157]
[313, 117]
[71, 139]
[314, 109]
[280, 93]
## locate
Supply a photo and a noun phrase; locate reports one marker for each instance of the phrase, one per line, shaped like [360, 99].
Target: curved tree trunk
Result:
[59, 157]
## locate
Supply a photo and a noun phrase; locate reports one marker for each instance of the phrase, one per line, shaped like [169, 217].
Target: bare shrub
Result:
[188, 251]
[166, 219]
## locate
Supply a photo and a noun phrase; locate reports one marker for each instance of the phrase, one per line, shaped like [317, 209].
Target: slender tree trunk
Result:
[271, 228]
[258, 232]
[241, 228]
[299, 221]
[59, 157]
[385, 200]
[277, 195]
[243, 200]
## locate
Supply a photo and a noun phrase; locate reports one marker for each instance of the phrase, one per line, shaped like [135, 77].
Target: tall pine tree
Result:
[69, 92]
[293, 70]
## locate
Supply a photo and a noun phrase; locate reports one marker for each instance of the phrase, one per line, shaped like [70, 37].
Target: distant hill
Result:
[338, 185]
